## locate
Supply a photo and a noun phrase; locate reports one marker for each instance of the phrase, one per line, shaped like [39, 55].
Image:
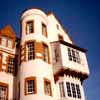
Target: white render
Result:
[40, 69]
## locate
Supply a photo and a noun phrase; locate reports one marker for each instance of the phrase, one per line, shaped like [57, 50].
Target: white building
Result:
[45, 65]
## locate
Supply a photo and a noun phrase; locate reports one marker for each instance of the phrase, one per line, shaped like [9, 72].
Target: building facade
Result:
[44, 65]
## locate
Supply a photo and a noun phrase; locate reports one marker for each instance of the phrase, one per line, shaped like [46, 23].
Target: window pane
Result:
[4, 41]
[62, 92]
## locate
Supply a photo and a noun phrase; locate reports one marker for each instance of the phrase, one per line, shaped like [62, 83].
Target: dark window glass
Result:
[68, 89]
[73, 90]
[78, 91]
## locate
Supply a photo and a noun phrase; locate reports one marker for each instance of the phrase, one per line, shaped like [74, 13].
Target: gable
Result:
[8, 31]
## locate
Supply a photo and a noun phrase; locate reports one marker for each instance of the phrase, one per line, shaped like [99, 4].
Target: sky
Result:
[82, 20]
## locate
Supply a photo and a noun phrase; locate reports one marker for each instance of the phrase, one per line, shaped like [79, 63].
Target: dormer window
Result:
[29, 27]
[44, 30]
[10, 43]
[4, 41]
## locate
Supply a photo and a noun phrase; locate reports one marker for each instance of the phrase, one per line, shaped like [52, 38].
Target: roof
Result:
[71, 45]
[8, 31]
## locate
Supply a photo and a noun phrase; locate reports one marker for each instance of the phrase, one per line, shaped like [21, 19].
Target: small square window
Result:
[60, 37]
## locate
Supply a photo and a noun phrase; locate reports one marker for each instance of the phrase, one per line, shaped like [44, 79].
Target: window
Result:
[73, 55]
[3, 92]
[60, 38]
[10, 43]
[78, 91]
[45, 53]
[56, 52]
[4, 41]
[68, 89]
[44, 30]
[10, 65]
[0, 60]
[29, 27]
[57, 26]
[47, 87]
[30, 85]
[30, 47]
[62, 92]
[69, 54]
[73, 90]
[77, 57]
